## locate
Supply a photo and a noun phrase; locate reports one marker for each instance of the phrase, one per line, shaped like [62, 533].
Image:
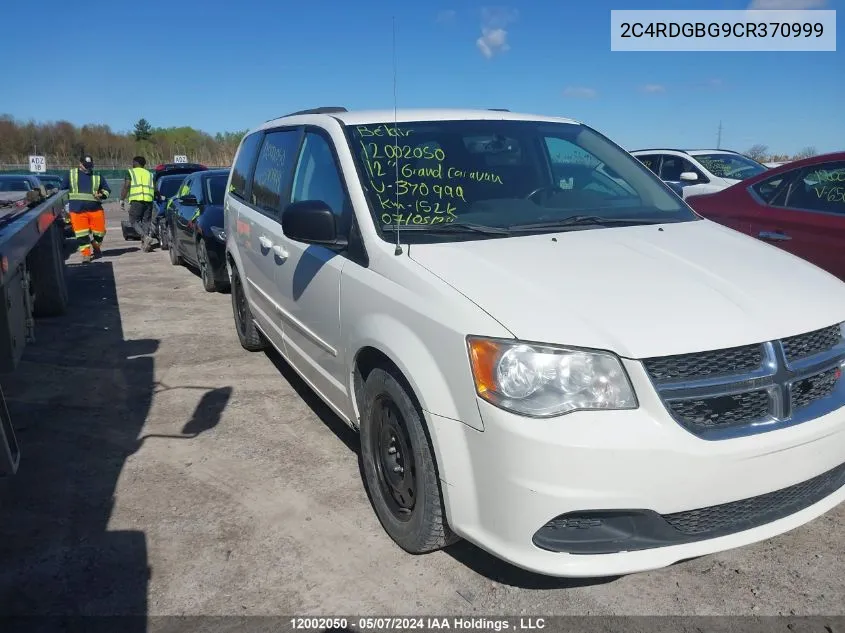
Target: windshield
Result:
[503, 173]
[732, 166]
[169, 185]
[215, 188]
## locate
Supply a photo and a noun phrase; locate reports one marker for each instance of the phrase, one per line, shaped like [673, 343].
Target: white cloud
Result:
[494, 35]
[653, 88]
[787, 4]
[447, 16]
[580, 92]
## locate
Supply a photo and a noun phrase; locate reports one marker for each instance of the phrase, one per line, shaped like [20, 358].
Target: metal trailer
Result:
[32, 284]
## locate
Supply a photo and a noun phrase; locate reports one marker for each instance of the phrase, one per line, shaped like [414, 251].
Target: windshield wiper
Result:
[449, 227]
[580, 220]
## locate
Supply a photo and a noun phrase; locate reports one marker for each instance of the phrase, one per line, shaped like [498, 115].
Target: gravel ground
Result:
[166, 471]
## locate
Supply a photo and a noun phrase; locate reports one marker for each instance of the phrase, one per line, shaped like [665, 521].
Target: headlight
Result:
[544, 380]
[219, 233]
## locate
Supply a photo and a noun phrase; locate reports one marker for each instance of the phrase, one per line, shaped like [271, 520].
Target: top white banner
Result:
[769, 30]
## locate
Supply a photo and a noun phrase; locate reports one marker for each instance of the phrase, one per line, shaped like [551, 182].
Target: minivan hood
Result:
[640, 291]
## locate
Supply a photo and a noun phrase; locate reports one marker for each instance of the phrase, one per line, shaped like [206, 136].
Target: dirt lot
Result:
[168, 471]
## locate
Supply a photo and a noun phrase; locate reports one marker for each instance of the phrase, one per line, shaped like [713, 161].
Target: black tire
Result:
[206, 272]
[165, 237]
[408, 502]
[249, 336]
[175, 257]
[47, 267]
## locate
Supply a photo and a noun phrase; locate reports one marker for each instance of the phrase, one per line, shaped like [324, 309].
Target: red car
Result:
[799, 206]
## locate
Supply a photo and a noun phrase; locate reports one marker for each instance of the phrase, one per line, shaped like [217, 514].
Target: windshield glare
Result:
[215, 188]
[503, 173]
[732, 166]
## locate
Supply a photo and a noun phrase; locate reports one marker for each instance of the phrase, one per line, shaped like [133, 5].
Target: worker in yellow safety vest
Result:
[87, 190]
[139, 191]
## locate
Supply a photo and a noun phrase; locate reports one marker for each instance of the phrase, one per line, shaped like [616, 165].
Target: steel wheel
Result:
[394, 459]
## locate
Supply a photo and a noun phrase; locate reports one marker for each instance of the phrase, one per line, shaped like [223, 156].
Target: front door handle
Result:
[775, 236]
[280, 252]
[265, 242]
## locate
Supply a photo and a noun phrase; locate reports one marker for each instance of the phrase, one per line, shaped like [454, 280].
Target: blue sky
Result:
[219, 65]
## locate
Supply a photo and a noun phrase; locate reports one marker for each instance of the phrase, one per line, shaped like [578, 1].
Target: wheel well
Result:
[370, 358]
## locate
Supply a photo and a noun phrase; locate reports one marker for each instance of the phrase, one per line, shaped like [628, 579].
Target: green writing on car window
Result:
[414, 182]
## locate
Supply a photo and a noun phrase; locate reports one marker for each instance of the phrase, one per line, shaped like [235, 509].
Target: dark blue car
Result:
[193, 223]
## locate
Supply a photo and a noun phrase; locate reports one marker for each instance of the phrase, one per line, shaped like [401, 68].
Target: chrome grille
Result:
[743, 390]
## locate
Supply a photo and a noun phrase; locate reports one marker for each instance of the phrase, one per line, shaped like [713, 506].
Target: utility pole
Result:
[719, 137]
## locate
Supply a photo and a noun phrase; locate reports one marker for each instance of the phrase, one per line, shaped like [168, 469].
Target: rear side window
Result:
[273, 170]
[243, 164]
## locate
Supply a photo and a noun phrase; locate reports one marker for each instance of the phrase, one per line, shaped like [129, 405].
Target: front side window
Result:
[819, 188]
[505, 175]
[732, 166]
[273, 170]
[652, 161]
[771, 189]
[673, 166]
[317, 176]
[215, 187]
[195, 188]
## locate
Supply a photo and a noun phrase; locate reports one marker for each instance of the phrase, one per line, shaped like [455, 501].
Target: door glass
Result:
[317, 176]
[273, 170]
[195, 188]
[652, 161]
[244, 162]
[671, 168]
[770, 189]
[819, 188]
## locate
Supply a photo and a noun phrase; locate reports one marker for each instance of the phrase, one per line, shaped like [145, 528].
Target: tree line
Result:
[61, 143]
[761, 154]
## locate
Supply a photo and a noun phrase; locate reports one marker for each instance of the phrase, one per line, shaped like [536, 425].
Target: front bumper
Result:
[505, 484]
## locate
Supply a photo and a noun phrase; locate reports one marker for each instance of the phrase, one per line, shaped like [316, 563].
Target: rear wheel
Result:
[175, 257]
[249, 336]
[398, 466]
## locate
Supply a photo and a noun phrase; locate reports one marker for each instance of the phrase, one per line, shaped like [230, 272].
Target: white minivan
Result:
[546, 352]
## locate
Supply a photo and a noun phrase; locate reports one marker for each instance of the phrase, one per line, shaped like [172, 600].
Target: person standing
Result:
[139, 191]
[87, 217]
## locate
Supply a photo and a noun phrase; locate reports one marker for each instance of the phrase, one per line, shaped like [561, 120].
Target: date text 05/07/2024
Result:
[418, 623]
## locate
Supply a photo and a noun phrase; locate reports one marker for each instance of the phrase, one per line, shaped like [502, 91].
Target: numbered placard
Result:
[180, 158]
[37, 164]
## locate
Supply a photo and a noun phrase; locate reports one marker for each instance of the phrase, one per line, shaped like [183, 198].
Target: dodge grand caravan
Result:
[545, 351]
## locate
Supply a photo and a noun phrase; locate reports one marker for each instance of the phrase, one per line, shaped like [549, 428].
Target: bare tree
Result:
[807, 152]
[757, 152]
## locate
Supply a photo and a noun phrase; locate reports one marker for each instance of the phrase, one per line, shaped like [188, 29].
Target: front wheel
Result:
[206, 272]
[398, 467]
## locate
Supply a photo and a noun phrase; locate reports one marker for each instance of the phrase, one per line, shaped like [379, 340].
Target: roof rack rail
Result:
[499, 109]
[322, 110]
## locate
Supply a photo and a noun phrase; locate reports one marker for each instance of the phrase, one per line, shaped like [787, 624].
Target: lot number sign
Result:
[37, 164]
[180, 158]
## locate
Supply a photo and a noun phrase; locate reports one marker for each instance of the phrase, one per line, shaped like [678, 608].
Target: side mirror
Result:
[311, 222]
[189, 200]
[689, 176]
